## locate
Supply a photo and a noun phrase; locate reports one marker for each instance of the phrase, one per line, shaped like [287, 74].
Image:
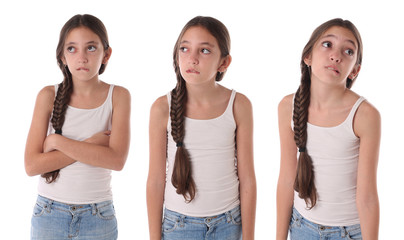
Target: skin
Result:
[332, 62]
[199, 63]
[83, 55]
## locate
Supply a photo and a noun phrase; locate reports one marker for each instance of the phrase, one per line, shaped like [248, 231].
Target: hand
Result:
[101, 138]
[48, 144]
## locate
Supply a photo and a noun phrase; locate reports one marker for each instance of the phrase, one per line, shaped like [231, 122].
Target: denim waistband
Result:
[77, 208]
[203, 220]
[324, 228]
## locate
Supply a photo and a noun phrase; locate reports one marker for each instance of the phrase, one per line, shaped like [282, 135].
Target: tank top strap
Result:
[349, 119]
[229, 108]
[109, 97]
[169, 99]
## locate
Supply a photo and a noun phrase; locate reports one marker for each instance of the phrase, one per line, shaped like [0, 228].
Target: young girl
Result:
[79, 133]
[201, 152]
[330, 192]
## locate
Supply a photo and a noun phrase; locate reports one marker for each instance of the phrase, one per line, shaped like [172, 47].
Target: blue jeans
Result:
[302, 229]
[55, 220]
[225, 226]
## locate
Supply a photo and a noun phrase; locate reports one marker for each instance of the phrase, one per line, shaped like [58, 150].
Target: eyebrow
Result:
[333, 36]
[90, 42]
[202, 43]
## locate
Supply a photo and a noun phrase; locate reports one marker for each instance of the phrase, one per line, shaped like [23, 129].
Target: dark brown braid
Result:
[65, 88]
[304, 181]
[182, 173]
[60, 105]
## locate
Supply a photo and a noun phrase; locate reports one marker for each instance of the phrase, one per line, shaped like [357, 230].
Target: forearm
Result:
[41, 163]
[91, 154]
[284, 205]
[248, 201]
[155, 201]
[369, 218]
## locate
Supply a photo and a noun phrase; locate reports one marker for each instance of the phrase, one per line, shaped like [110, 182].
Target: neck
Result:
[202, 93]
[81, 87]
[326, 96]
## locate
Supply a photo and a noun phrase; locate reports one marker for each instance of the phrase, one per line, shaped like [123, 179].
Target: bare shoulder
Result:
[366, 109]
[241, 102]
[367, 119]
[286, 104]
[121, 92]
[242, 110]
[159, 109]
[46, 96]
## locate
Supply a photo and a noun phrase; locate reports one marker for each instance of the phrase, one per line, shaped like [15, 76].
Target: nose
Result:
[193, 58]
[82, 58]
[335, 56]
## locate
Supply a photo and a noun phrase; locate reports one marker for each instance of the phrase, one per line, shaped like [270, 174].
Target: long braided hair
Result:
[182, 173]
[304, 181]
[65, 88]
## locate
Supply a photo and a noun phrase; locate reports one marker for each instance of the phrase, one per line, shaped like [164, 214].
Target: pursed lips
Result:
[83, 69]
[333, 68]
[192, 71]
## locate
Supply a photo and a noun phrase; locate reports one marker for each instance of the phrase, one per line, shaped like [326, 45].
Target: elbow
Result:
[29, 168]
[119, 163]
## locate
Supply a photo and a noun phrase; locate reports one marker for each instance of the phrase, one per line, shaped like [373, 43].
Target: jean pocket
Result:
[295, 221]
[236, 217]
[355, 234]
[106, 212]
[39, 209]
[169, 225]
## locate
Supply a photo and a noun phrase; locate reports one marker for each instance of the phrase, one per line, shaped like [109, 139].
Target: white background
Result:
[267, 40]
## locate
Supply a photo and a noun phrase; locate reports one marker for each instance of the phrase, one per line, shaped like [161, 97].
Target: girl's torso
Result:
[335, 153]
[80, 183]
[211, 147]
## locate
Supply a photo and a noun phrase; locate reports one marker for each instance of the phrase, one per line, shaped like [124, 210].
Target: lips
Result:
[333, 68]
[83, 69]
[192, 71]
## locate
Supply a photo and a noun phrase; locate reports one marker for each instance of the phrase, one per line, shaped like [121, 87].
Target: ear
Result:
[224, 63]
[107, 55]
[63, 60]
[307, 60]
[355, 71]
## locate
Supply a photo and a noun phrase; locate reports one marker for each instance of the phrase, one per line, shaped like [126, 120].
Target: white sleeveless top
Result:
[211, 147]
[80, 183]
[335, 154]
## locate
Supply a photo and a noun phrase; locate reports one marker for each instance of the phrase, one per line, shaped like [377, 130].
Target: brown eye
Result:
[71, 49]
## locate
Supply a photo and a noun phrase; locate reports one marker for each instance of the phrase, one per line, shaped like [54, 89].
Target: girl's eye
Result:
[91, 48]
[205, 51]
[350, 52]
[183, 49]
[326, 44]
[71, 49]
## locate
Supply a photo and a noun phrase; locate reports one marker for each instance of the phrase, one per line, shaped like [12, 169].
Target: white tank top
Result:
[211, 147]
[80, 183]
[335, 155]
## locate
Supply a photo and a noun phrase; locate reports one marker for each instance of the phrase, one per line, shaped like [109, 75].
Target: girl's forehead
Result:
[198, 34]
[340, 33]
[81, 33]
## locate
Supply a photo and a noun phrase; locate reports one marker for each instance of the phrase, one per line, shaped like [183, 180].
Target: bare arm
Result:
[157, 165]
[36, 160]
[367, 125]
[112, 156]
[287, 173]
[245, 164]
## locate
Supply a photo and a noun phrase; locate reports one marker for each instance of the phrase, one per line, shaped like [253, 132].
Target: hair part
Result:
[182, 172]
[65, 88]
[304, 181]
